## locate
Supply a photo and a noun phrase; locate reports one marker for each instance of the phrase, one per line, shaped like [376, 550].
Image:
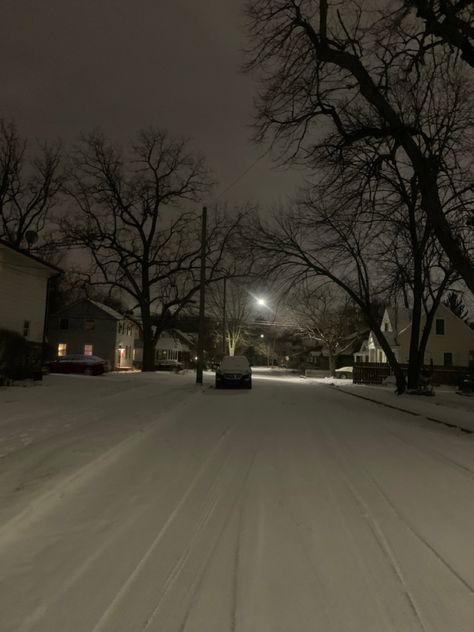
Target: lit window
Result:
[62, 349]
[26, 328]
[89, 324]
[88, 350]
[440, 327]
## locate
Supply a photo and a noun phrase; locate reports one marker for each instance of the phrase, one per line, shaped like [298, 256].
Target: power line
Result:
[244, 173]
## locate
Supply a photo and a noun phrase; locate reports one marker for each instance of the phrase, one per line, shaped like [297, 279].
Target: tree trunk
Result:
[148, 351]
[332, 364]
[391, 358]
[414, 355]
[148, 363]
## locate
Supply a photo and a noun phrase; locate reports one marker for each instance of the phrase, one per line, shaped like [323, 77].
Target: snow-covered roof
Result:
[109, 310]
[35, 261]
[400, 318]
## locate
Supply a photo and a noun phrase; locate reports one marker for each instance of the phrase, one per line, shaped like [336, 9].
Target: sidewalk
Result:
[446, 406]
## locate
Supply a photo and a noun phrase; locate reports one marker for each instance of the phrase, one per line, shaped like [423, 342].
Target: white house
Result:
[23, 292]
[171, 345]
[450, 343]
[92, 328]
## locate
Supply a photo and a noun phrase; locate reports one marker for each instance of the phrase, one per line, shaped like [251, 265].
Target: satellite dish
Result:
[31, 237]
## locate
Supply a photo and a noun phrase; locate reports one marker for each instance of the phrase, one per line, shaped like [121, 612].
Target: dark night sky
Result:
[71, 65]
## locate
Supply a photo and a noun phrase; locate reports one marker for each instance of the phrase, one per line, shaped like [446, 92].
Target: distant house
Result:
[450, 343]
[171, 345]
[92, 328]
[23, 292]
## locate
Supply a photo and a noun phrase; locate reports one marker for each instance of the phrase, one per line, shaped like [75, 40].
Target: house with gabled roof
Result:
[172, 344]
[93, 328]
[450, 343]
[24, 280]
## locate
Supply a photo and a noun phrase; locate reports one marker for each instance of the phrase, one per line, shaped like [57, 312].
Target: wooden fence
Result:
[375, 373]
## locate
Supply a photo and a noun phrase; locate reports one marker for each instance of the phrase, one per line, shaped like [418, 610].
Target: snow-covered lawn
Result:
[446, 405]
[145, 503]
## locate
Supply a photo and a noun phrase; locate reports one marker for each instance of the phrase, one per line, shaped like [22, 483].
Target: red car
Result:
[77, 363]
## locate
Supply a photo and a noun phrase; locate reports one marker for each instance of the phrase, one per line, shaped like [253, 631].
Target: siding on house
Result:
[91, 326]
[457, 340]
[455, 346]
[23, 292]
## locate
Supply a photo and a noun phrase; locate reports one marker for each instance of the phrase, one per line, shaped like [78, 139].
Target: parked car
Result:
[234, 371]
[465, 382]
[169, 365]
[344, 372]
[78, 363]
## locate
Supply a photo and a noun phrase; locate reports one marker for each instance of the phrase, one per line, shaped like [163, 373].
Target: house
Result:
[92, 328]
[450, 343]
[24, 282]
[171, 345]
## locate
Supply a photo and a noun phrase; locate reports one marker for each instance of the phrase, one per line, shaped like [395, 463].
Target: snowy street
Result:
[142, 502]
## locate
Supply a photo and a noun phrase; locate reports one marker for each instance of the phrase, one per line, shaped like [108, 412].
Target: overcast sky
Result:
[71, 65]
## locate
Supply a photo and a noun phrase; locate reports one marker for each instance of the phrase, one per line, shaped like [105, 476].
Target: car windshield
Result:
[235, 363]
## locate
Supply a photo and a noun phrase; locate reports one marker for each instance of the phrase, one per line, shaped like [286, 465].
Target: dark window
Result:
[63, 323]
[440, 327]
[26, 328]
[385, 327]
[448, 359]
[89, 324]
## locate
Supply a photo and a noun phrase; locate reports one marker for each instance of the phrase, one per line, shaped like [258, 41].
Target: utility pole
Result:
[224, 319]
[202, 298]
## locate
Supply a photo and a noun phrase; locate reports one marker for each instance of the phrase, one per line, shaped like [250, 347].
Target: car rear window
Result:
[235, 363]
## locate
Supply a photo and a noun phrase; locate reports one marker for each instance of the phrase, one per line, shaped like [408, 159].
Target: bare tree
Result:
[232, 308]
[408, 252]
[30, 183]
[450, 21]
[339, 74]
[326, 316]
[130, 219]
[373, 244]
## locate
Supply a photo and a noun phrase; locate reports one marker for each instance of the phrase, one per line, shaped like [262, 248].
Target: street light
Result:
[261, 302]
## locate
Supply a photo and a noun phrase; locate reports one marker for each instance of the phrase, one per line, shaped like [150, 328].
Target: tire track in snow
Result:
[378, 530]
[238, 503]
[418, 535]
[127, 585]
[336, 503]
[401, 515]
[384, 545]
[207, 511]
[41, 504]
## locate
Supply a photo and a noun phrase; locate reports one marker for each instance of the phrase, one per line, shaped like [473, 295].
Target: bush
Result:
[19, 358]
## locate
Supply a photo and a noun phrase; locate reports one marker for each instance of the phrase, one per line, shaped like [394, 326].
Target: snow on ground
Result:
[171, 507]
[446, 405]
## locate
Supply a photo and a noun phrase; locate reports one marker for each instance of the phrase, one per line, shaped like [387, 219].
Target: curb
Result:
[408, 412]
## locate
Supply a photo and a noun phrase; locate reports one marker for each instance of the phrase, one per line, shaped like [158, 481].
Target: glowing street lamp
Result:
[261, 302]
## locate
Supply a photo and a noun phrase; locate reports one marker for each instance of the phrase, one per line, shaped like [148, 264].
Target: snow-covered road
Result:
[144, 503]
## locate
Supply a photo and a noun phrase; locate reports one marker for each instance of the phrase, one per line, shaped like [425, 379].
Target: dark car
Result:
[78, 363]
[465, 382]
[169, 365]
[234, 371]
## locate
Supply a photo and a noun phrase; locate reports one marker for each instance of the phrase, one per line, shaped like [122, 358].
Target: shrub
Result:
[19, 358]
